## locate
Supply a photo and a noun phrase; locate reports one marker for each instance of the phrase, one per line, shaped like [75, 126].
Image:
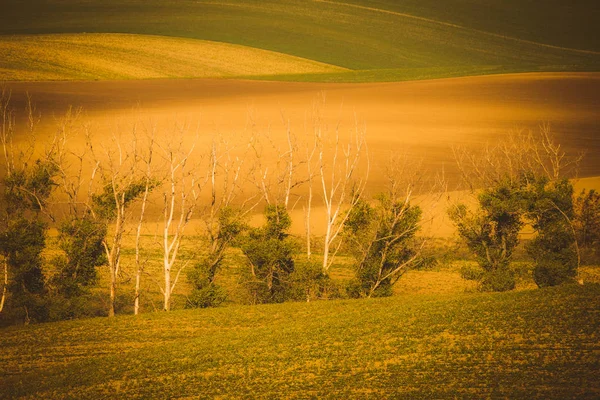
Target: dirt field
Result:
[421, 119]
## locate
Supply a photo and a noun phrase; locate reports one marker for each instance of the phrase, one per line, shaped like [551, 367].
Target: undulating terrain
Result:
[541, 343]
[420, 79]
[375, 40]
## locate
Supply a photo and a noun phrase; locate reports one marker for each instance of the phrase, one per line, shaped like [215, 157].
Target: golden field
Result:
[421, 121]
[101, 56]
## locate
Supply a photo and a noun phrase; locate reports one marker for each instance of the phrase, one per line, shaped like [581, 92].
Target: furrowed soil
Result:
[423, 119]
[420, 120]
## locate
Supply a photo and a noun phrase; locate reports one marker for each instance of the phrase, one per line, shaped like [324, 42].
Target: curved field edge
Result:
[417, 74]
[537, 343]
[125, 56]
[362, 36]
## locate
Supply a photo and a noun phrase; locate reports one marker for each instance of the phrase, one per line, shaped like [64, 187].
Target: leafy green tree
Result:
[381, 239]
[80, 239]
[554, 249]
[491, 231]
[308, 282]
[206, 293]
[587, 219]
[23, 236]
[269, 252]
[110, 206]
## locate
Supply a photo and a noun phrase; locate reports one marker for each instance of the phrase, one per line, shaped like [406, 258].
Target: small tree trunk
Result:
[113, 291]
[167, 302]
[5, 288]
[136, 302]
[326, 244]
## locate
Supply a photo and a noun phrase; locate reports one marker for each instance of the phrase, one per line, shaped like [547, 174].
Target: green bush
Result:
[500, 280]
[471, 272]
[552, 272]
[211, 295]
[382, 240]
[554, 248]
[308, 282]
[269, 252]
[355, 289]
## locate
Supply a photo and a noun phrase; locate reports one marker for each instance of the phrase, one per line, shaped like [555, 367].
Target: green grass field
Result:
[377, 40]
[120, 56]
[528, 344]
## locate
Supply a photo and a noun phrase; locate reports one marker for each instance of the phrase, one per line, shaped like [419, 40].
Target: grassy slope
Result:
[408, 41]
[571, 24]
[540, 343]
[119, 56]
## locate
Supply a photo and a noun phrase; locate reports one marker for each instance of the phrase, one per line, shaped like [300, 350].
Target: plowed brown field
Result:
[422, 119]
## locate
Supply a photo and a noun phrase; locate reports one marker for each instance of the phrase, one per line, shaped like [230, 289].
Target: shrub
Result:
[308, 283]
[550, 208]
[500, 280]
[471, 273]
[210, 295]
[381, 238]
[551, 273]
[491, 231]
[269, 252]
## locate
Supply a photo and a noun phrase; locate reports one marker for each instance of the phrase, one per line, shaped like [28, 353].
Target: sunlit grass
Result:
[539, 343]
[378, 41]
[118, 56]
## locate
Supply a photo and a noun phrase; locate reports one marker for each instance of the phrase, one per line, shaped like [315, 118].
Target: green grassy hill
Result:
[379, 40]
[529, 344]
[123, 56]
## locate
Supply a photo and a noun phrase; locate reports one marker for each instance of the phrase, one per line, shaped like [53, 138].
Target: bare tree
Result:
[517, 154]
[277, 181]
[180, 201]
[224, 216]
[122, 186]
[340, 190]
[6, 133]
[149, 183]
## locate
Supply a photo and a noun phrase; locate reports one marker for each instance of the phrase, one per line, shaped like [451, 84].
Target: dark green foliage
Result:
[587, 219]
[85, 305]
[492, 231]
[105, 205]
[471, 273]
[499, 280]
[29, 188]
[22, 245]
[308, 283]
[550, 209]
[23, 237]
[381, 239]
[81, 241]
[270, 257]
[205, 293]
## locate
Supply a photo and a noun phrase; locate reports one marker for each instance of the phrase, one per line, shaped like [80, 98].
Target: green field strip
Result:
[358, 35]
[120, 56]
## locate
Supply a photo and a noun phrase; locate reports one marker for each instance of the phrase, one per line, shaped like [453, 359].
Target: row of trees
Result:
[520, 183]
[97, 192]
[94, 192]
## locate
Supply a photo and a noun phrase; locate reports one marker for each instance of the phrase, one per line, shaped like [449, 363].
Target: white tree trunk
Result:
[5, 288]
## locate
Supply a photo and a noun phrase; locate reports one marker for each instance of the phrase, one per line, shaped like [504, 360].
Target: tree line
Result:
[96, 193]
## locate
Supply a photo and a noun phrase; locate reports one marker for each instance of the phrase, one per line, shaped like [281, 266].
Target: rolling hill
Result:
[126, 56]
[531, 344]
[377, 40]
